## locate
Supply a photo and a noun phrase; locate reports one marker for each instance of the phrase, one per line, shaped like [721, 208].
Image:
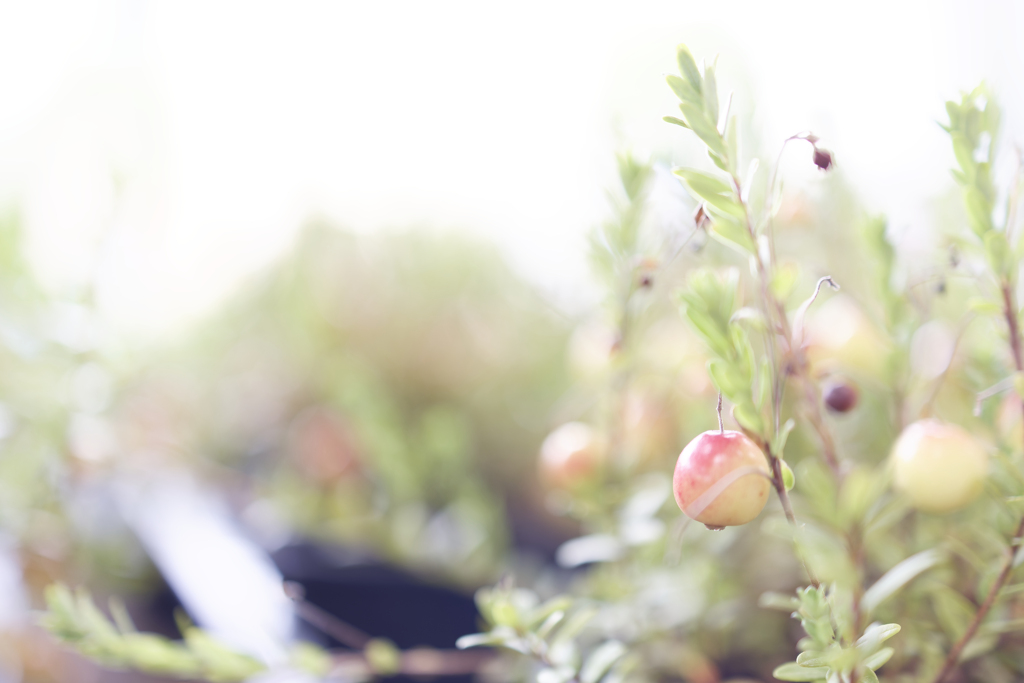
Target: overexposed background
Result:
[166, 150]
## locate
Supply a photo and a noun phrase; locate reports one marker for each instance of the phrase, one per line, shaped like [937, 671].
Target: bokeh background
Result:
[315, 276]
[171, 149]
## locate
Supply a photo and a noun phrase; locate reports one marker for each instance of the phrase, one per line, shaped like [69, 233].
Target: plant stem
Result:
[1010, 313]
[721, 425]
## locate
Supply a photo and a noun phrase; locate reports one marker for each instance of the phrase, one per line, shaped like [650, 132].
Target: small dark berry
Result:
[822, 158]
[840, 397]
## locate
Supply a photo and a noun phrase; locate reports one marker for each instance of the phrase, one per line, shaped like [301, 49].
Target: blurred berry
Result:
[822, 158]
[840, 397]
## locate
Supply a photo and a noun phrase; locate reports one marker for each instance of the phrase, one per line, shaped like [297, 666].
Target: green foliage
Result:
[709, 301]
[549, 633]
[973, 129]
[824, 656]
[75, 620]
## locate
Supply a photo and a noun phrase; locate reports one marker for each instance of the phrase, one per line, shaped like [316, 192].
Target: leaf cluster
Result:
[823, 656]
[549, 633]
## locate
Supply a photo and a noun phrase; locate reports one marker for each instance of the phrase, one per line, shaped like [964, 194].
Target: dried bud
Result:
[701, 218]
[822, 158]
[840, 397]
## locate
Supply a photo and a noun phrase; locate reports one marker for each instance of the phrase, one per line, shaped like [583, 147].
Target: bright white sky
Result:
[174, 147]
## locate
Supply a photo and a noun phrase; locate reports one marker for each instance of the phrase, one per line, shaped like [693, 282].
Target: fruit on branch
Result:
[839, 397]
[571, 455]
[722, 479]
[940, 467]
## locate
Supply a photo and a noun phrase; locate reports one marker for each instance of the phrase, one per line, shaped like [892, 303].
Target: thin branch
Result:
[801, 313]
[417, 661]
[342, 631]
[771, 192]
[994, 390]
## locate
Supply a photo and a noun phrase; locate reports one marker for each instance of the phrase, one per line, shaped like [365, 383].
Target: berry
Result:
[728, 467]
[839, 397]
[570, 455]
[940, 467]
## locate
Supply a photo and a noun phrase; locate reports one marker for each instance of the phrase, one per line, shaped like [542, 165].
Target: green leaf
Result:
[876, 634]
[788, 478]
[683, 90]
[498, 636]
[678, 122]
[731, 233]
[704, 185]
[779, 601]
[794, 672]
[560, 603]
[553, 620]
[814, 658]
[998, 251]
[726, 379]
[964, 152]
[747, 415]
[979, 211]
[719, 161]
[868, 676]
[897, 577]
[711, 94]
[688, 66]
[707, 328]
[704, 128]
[731, 144]
[877, 660]
[779, 442]
[601, 660]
